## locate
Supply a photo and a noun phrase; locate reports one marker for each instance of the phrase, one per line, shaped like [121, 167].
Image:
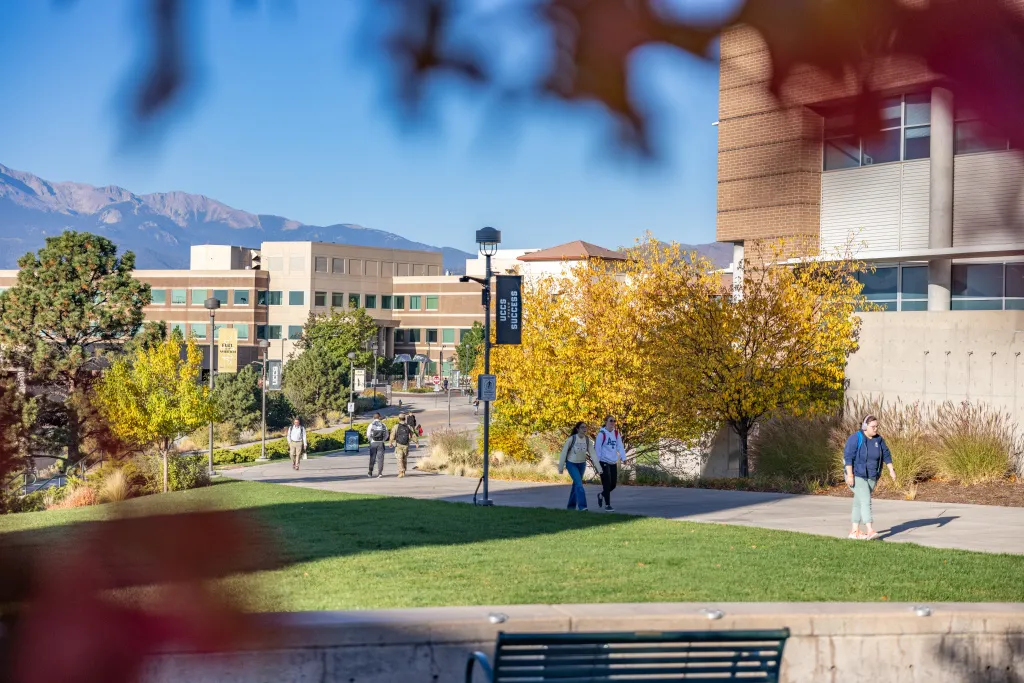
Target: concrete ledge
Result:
[833, 641]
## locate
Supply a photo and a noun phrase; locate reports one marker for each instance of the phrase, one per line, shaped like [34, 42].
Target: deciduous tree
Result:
[470, 347]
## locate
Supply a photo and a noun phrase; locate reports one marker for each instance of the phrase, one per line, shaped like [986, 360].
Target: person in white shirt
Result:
[609, 453]
[377, 434]
[296, 442]
[575, 452]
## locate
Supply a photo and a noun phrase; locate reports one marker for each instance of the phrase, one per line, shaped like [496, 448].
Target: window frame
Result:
[431, 332]
[316, 264]
[397, 302]
[386, 302]
[234, 297]
[291, 297]
[320, 299]
[354, 299]
[369, 301]
[436, 300]
[903, 127]
[415, 302]
[153, 293]
[337, 299]
[184, 296]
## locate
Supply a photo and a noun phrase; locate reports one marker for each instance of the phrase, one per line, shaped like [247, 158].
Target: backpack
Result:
[403, 434]
[411, 421]
[378, 432]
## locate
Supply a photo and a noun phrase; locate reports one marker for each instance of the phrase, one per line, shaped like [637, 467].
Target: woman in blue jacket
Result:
[864, 455]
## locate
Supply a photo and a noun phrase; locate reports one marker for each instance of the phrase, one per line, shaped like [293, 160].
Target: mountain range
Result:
[160, 227]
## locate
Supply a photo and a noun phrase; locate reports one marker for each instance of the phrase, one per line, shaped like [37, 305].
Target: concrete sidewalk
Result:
[968, 527]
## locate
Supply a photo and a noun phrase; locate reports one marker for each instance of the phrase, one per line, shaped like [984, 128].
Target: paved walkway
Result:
[941, 525]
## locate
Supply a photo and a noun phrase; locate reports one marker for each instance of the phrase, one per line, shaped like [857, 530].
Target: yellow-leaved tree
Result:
[778, 341]
[153, 397]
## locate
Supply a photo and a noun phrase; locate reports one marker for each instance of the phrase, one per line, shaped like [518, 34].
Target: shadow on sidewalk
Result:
[916, 524]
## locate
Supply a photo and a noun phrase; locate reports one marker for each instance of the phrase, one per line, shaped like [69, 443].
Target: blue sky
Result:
[293, 118]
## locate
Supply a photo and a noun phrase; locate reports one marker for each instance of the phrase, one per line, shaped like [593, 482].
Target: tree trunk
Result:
[744, 433]
[74, 427]
[163, 452]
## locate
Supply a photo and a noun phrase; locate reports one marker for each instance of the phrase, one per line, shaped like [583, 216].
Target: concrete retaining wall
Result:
[833, 642]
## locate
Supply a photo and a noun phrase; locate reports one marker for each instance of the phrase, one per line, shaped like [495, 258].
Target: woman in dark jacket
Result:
[863, 456]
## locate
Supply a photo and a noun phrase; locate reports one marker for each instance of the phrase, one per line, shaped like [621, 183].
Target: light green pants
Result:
[862, 489]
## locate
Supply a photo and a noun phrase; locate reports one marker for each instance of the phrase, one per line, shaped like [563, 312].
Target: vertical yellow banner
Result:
[227, 350]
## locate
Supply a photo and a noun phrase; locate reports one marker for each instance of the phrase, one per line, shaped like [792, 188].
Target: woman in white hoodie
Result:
[609, 453]
[575, 451]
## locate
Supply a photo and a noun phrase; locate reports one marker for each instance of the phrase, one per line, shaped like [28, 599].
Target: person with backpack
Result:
[575, 451]
[863, 456]
[609, 453]
[297, 443]
[416, 431]
[377, 434]
[401, 435]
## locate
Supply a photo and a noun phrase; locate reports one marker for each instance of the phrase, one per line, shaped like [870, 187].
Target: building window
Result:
[221, 295]
[319, 298]
[199, 297]
[320, 264]
[338, 266]
[463, 332]
[275, 264]
[337, 300]
[296, 298]
[353, 301]
[399, 336]
[385, 302]
[972, 135]
[179, 328]
[914, 288]
[159, 297]
[371, 300]
[241, 297]
[295, 331]
[198, 330]
[431, 303]
[977, 287]
[297, 264]
[216, 330]
[448, 336]
[414, 302]
[880, 287]
[398, 303]
[243, 330]
[268, 298]
[268, 331]
[415, 336]
[905, 134]
[431, 336]
[177, 297]
[355, 267]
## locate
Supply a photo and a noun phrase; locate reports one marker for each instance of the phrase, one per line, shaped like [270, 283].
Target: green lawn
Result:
[348, 551]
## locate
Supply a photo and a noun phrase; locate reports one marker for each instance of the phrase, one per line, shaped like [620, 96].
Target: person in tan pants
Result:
[296, 442]
[401, 435]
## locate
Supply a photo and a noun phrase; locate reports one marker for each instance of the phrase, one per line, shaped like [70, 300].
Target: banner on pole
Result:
[227, 350]
[273, 375]
[509, 309]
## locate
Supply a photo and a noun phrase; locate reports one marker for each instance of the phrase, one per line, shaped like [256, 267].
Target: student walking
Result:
[401, 435]
[296, 442]
[377, 434]
[863, 456]
[574, 459]
[609, 453]
[410, 420]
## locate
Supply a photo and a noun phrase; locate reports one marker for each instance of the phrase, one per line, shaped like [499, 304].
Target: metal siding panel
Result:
[863, 206]
[988, 198]
[914, 209]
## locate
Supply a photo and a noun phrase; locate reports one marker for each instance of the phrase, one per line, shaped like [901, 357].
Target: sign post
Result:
[509, 309]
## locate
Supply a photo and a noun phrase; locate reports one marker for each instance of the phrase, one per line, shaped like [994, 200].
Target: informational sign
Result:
[227, 350]
[487, 387]
[351, 407]
[273, 375]
[359, 380]
[509, 309]
[351, 441]
[436, 379]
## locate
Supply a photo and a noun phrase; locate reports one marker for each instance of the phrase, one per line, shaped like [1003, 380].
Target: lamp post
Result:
[212, 304]
[264, 346]
[488, 239]
[373, 347]
[351, 389]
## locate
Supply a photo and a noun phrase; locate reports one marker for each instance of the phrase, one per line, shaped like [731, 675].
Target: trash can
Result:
[351, 441]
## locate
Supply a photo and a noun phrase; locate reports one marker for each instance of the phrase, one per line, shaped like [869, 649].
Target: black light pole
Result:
[488, 239]
[212, 304]
[264, 345]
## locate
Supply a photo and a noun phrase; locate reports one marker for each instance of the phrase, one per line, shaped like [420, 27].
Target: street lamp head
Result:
[488, 239]
[263, 344]
[212, 304]
[351, 355]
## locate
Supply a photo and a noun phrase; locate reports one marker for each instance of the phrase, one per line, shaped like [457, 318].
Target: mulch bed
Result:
[1006, 493]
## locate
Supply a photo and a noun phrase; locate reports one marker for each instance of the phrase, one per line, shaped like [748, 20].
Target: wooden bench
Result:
[651, 657]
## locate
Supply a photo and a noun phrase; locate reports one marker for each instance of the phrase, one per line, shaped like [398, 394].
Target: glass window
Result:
[216, 330]
[415, 336]
[432, 336]
[879, 285]
[319, 298]
[414, 302]
[842, 153]
[268, 298]
[275, 263]
[977, 136]
[320, 264]
[296, 298]
[463, 332]
[882, 147]
[914, 305]
[385, 302]
[297, 264]
[179, 328]
[159, 297]
[399, 303]
[1014, 280]
[917, 142]
[915, 282]
[976, 305]
[198, 297]
[177, 296]
[371, 300]
[268, 331]
[431, 303]
[353, 301]
[337, 299]
[338, 266]
[905, 134]
[399, 336]
[977, 280]
[243, 330]
[919, 109]
[295, 331]
[448, 336]
[198, 330]
[241, 297]
[221, 295]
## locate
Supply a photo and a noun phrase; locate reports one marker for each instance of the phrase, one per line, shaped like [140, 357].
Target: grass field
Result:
[352, 552]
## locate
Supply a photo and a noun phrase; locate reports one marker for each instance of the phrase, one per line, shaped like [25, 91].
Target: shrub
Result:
[510, 443]
[389, 422]
[975, 442]
[188, 471]
[78, 495]
[795, 447]
[115, 488]
[321, 443]
[450, 448]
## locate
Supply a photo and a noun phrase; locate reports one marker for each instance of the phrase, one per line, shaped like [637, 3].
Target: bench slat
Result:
[573, 660]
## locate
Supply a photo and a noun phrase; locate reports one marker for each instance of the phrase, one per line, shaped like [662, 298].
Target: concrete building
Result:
[934, 202]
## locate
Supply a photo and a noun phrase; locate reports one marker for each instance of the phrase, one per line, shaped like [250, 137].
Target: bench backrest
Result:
[690, 656]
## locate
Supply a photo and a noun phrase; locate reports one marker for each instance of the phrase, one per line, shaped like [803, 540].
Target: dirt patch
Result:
[1005, 493]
